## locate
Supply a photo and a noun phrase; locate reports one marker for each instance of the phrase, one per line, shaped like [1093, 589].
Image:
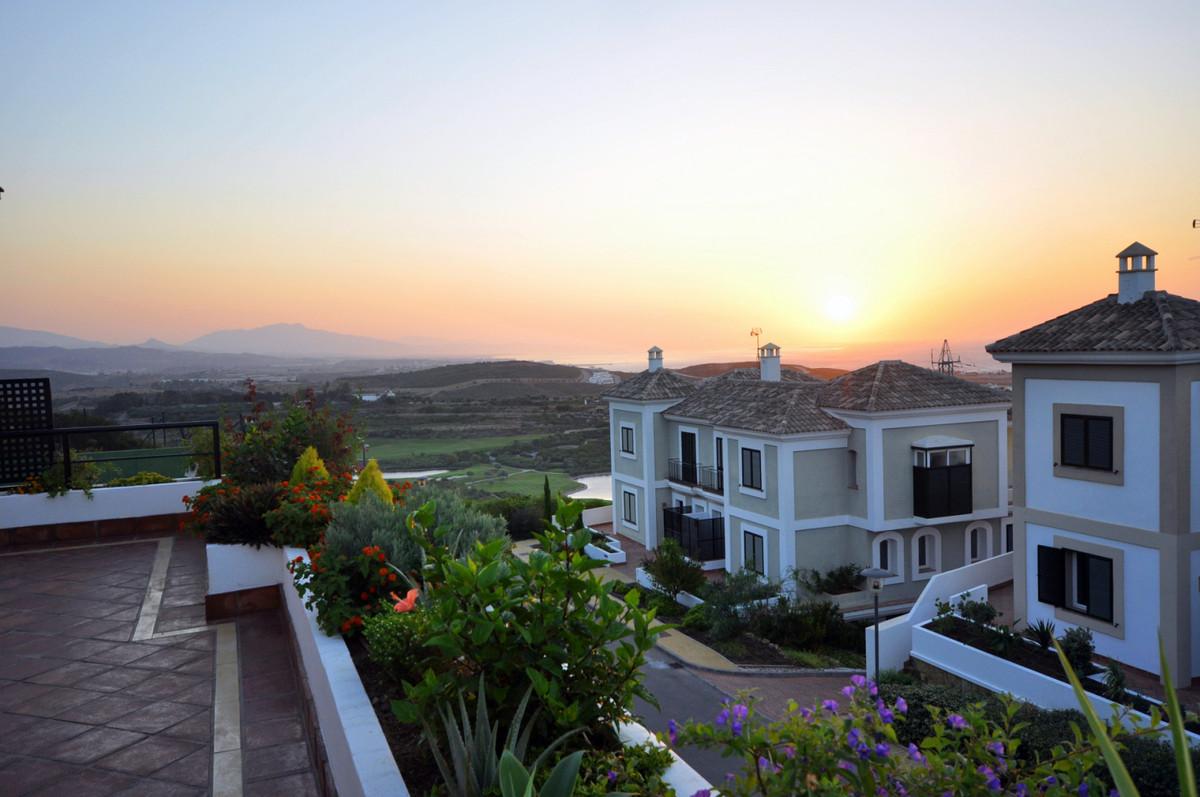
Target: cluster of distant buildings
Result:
[1085, 472]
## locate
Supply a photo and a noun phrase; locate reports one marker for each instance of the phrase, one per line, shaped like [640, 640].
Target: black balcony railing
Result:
[694, 474]
[942, 492]
[701, 535]
[177, 456]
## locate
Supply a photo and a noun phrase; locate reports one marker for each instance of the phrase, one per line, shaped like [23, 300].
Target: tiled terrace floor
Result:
[101, 695]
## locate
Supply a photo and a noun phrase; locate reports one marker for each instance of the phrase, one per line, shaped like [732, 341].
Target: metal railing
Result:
[706, 477]
[62, 452]
[702, 539]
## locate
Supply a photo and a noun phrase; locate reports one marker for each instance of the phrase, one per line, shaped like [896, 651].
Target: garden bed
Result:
[1027, 654]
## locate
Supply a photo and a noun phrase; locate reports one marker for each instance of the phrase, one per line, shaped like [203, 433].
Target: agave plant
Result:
[1042, 632]
[474, 765]
[516, 781]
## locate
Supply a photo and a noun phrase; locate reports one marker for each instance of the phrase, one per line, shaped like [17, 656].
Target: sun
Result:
[840, 307]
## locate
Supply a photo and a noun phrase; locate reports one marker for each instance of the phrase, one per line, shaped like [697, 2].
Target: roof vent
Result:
[654, 359]
[1135, 276]
[769, 366]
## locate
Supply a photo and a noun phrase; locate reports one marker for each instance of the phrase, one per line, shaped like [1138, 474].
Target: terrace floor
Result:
[112, 683]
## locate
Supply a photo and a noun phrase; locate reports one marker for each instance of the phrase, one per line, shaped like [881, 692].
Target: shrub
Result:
[309, 468]
[548, 621]
[1114, 682]
[394, 641]
[304, 511]
[806, 625]
[1078, 646]
[1041, 632]
[696, 618]
[232, 515]
[373, 523]
[53, 481]
[637, 769]
[370, 480]
[977, 612]
[725, 602]
[341, 589]
[140, 478]
[838, 580]
[673, 572]
[451, 512]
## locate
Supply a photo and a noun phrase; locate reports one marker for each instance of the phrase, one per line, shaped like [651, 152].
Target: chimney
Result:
[1135, 276]
[655, 359]
[768, 363]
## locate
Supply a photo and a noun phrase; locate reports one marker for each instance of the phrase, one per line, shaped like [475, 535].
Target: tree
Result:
[547, 499]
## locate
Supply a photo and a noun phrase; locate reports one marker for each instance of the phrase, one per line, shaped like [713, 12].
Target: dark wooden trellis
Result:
[25, 404]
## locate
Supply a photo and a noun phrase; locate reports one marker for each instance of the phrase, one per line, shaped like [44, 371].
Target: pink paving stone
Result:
[92, 745]
[149, 755]
[88, 783]
[22, 775]
[155, 717]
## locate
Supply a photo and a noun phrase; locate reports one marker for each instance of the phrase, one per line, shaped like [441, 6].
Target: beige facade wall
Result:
[768, 504]
[625, 465]
[897, 464]
[821, 482]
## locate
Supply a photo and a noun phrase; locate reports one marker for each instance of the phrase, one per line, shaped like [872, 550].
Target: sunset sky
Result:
[582, 180]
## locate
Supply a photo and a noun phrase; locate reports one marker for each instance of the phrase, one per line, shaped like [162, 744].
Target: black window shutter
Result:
[1100, 587]
[1051, 576]
[1099, 443]
[1073, 435]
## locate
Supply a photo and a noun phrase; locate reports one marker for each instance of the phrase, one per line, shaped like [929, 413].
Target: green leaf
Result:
[481, 632]
[540, 684]
[489, 574]
[1116, 767]
[561, 782]
[405, 711]
[514, 780]
[1183, 758]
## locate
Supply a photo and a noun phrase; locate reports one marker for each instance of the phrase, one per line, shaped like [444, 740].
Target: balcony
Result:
[700, 534]
[942, 491]
[692, 474]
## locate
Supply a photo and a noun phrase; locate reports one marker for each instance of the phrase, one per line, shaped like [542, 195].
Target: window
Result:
[1077, 581]
[752, 469]
[629, 508]
[942, 481]
[978, 542]
[1086, 441]
[720, 453]
[887, 554]
[753, 556]
[1008, 536]
[627, 445]
[927, 554]
[852, 469]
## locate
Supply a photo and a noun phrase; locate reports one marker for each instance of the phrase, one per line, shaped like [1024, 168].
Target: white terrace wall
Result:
[896, 634]
[106, 503]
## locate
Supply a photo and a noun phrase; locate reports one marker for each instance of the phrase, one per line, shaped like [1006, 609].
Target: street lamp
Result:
[875, 577]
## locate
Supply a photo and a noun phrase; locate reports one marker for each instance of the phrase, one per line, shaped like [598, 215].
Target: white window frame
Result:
[621, 440]
[921, 456]
[766, 543]
[631, 523]
[896, 567]
[971, 529]
[936, 565]
[762, 459]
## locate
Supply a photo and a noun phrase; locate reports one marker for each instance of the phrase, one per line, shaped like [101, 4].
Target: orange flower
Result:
[383, 571]
[407, 603]
[381, 557]
[392, 577]
[364, 596]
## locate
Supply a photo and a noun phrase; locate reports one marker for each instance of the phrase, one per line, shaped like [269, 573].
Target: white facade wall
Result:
[1136, 502]
[1194, 409]
[1140, 597]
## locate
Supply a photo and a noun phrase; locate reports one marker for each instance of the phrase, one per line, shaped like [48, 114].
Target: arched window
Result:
[887, 553]
[978, 543]
[926, 554]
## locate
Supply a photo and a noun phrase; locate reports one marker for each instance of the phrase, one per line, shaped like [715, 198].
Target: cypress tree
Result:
[547, 500]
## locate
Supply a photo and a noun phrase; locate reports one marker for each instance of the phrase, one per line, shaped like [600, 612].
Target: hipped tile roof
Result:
[1158, 322]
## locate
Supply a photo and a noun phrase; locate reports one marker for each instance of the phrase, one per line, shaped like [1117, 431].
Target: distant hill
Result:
[136, 359]
[716, 369]
[463, 373]
[296, 340]
[15, 336]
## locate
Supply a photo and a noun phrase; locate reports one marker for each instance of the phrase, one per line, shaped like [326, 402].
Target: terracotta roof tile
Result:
[661, 385]
[891, 385]
[777, 408]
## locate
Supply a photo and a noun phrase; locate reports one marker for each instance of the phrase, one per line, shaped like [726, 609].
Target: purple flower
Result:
[993, 783]
[996, 749]
[671, 730]
[703, 793]
[736, 728]
[741, 711]
[858, 680]
[956, 722]
[1022, 790]
[612, 776]
[830, 705]
[789, 751]
[901, 705]
[846, 765]
[723, 718]
[763, 763]
[882, 750]
[1083, 790]
[848, 691]
[886, 716]
[806, 713]
[915, 754]
[852, 738]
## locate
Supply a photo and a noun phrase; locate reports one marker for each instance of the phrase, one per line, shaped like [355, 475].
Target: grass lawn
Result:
[500, 479]
[384, 449]
[171, 461]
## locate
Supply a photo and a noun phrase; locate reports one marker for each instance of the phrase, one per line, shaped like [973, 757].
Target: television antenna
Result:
[756, 333]
[945, 362]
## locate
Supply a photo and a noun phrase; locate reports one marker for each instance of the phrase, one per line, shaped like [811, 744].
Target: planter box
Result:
[1003, 676]
[684, 598]
[106, 503]
[616, 557]
[679, 775]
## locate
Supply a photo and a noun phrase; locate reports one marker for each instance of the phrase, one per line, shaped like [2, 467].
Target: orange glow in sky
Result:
[580, 181]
